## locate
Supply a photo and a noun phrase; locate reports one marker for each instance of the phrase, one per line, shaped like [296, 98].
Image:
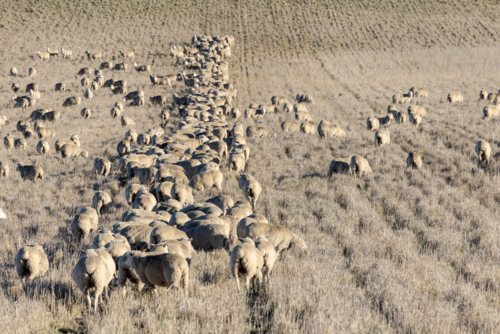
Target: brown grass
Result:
[404, 252]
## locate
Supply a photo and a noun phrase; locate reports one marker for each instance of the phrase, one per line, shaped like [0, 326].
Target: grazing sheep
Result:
[91, 213]
[20, 143]
[386, 120]
[494, 97]
[15, 87]
[43, 147]
[147, 175]
[86, 113]
[415, 119]
[165, 232]
[236, 162]
[144, 201]
[4, 169]
[131, 191]
[84, 71]
[417, 110]
[67, 54]
[131, 136]
[31, 262]
[71, 150]
[60, 87]
[143, 139]
[142, 68]
[391, 109]
[268, 253]
[115, 112]
[401, 118]
[123, 147]
[165, 270]
[181, 246]
[61, 142]
[258, 132]
[278, 100]
[209, 237]
[13, 71]
[72, 101]
[491, 111]
[103, 237]
[414, 160]
[120, 67]
[133, 95]
[223, 202]
[304, 98]
[85, 82]
[182, 193]
[8, 142]
[360, 166]
[325, 129]
[402, 98]
[303, 115]
[93, 55]
[101, 202]
[165, 116]
[53, 53]
[455, 97]
[117, 248]
[3, 119]
[163, 191]
[159, 100]
[339, 166]
[290, 126]
[27, 131]
[307, 128]
[106, 66]
[281, 237]
[126, 54]
[94, 271]
[88, 94]
[372, 123]
[419, 92]
[382, 137]
[43, 55]
[30, 172]
[44, 132]
[251, 191]
[483, 95]
[248, 261]
[82, 226]
[483, 151]
[102, 166]
[127, 121]
[118, 90]
[235, 113]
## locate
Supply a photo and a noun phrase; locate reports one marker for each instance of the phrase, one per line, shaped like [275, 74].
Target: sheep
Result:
[415, 119]
[143, 139]
[88, 94]
[20, 102]
[126, 54]
[307, 128]
[165, 116]
[4, 169]
[60, 87]
[402, 98]
[303, 115]
[165, 232]
[280, 237]
[71, 150]
[339, 166]
[414, 160]
[144, 201]
[115, 112]
[209, 237]
[3, 119]
[223, 202]
[419, 92]
[418, 110]
[102, 166]
[235, 113]
[483, 151]
[105, 236]
[101, 202]
[84, 71]
[44, 132]
[258, 132]
[51, 116]
[93, 55]
[268, 253]
[240, 210]
[94, 271]
[491, 111]
[123, 147]
[117, 248]
[236, 162]
[20, 143]
[118, 90]
[131, 192]
[325, 129]
[147, 175]
[27, 131]
[165, 270]
[290, 126]
[137, 101]
[386, 120]
[304, 98]
[391, 109]
[43, 147]
[247, 260]
[67, 54]
[372, 123]
[133, 95]
[360, 166]
[13, 71]
[106, 66]
[120, 67]
[82, 226]
[160, 81]
[31, 262]
[43, 55]
[401, 117]
[382, 137]
[86, 113]
[483, 95]
[91, 213]
[60, 142]
[53, 53]
[182, 193]
[15, 87]
[127, 121]
[158, 100]
[494, 97]
[131, 136]
[96, 84]
[278, 100]
[251, 191]
[8, 142]
[142, 68]
[180, 246]
[85, 82]
[454, 97]
[30, 172]
[72, 101]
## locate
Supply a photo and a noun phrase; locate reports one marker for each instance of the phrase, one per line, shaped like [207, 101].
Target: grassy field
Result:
[394, 252]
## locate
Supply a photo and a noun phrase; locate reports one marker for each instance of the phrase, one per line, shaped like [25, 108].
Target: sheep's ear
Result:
[124, 241]
[164, 245]
[190, 239]
[240, 239]
[108, 249]
[82, 251]
[41, 245]
[131, 254]
[97, 251]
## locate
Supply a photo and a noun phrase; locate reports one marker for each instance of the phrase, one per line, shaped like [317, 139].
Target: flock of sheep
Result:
[152, 244]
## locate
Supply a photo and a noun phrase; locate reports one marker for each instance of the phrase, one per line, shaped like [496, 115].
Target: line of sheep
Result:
[153, 242]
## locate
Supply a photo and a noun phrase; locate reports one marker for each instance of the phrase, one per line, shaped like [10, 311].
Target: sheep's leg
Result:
[247, 282]
[89, 302]
[96, 300]
[237, 281]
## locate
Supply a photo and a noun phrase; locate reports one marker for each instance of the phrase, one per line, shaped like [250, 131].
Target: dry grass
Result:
[403, 252]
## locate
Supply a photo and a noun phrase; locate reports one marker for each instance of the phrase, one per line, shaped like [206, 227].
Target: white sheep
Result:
[251, 191]
[339, 166]
[360, 166]
[207, 180]
[31, 262]
[30, 172]
[248, 261]
[382, 137]
[268, 253]
[43, 147]
[82, 226]
[414, 160]
[102, 166]
[101, 202]
[325, 129]
[372, 123]
[483, 151]
[455, 97]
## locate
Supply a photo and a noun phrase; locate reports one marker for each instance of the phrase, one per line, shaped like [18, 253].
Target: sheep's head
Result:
[299, 242]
